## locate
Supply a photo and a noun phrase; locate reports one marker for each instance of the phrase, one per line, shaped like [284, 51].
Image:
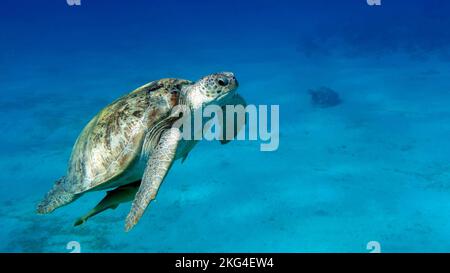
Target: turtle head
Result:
[212, 89]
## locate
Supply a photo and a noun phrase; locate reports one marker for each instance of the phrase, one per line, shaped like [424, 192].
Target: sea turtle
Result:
[133, 139]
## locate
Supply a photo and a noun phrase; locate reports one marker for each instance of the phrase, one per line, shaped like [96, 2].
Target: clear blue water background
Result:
[376, 167]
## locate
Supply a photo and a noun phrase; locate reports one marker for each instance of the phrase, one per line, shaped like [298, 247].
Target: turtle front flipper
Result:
[157, 167]
[228, 132]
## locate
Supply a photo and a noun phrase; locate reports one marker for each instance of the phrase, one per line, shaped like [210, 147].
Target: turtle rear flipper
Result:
[112, 200]
[92, 213]
[55, 198]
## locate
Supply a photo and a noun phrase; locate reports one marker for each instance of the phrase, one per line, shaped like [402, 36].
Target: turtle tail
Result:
[55, 198]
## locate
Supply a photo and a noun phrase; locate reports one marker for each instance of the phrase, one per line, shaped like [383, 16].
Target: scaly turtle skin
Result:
[132, 139]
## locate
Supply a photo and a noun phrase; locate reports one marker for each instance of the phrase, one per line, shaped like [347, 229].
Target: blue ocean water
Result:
[374, 168]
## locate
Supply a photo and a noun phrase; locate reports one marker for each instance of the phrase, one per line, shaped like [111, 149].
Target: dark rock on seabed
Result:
[324, 97]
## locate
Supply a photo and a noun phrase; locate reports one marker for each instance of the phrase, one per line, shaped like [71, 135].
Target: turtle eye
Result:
[222, 82]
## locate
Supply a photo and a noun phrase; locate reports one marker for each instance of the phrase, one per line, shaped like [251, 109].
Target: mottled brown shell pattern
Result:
[112, 140]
